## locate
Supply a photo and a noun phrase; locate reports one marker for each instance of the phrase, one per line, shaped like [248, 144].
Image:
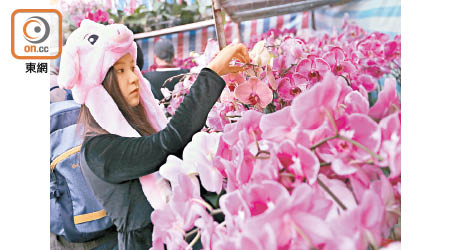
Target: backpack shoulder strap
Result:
[64, 156]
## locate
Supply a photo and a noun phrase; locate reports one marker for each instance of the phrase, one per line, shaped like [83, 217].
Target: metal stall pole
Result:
[219, 23]
[239, 31]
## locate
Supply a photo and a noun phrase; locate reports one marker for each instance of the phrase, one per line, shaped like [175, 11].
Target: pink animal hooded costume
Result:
[86, 58]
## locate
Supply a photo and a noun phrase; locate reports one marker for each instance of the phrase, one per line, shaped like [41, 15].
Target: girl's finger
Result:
[239, 57]
[244, 52]
[235, 69]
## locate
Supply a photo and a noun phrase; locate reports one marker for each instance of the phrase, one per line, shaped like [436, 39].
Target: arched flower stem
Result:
[210, 209]
[261, 154]
[197, 237]
[335, 198]
[359, 145]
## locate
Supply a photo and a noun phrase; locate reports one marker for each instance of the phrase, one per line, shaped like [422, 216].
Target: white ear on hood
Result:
[68, 74]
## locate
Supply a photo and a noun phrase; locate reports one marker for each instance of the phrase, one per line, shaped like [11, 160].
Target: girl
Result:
[126, 136]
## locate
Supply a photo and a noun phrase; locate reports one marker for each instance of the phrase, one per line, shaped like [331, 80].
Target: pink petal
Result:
[171, 169]
[308, 108]
[299, 80]
[271, 78]
[330, 58]
[348, 67]
[371, 209]
[315, 228]
[248, 243]
[284, 88]
[265, 94]
[366, 133]
[254, 82]
[276, 126]
[321, 65]
[395, 165]
[338, 53]
[356, 103]
[232, 203]
[367, 81]
[304, 67]
[243, 92]
[341, 168]
[210, 177]
[387, 100]
[310, 163]
[244, 166]
[340, 189]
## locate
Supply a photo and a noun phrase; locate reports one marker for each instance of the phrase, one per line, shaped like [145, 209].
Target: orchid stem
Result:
[350, 141]
[216, 211]
[287, 174]
[259, 149]
[249, 64]
[210, 209]
[335, 198]
[256, 140]
[361, 147]
[371, 240]
[197, 237]
[186, 236]
[287, 70]
[173, 77]
[303, 235]
[333, 122]
[323, 141]
[346, 79]
[324, 164]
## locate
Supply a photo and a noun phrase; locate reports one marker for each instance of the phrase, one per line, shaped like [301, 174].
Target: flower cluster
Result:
[296, 153]
[76, 11]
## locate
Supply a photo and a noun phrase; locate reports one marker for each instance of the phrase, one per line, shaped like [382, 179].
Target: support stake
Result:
[217, 12]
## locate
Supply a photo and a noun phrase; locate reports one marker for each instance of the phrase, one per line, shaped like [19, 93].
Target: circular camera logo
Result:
[36, 29]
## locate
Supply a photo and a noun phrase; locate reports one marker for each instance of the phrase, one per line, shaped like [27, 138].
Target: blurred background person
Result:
[163, 58]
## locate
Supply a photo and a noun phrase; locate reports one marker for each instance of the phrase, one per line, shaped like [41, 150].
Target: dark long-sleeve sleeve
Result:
[116, 159]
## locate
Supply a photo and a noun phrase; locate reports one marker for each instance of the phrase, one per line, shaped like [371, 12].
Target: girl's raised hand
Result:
[221, 63]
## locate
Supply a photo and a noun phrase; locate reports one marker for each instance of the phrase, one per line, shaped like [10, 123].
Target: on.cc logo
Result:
[39, 26]
[36, 34]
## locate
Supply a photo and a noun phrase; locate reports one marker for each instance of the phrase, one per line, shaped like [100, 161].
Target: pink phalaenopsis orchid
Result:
[279, 126]
[355, 102]
[345, 155]
[200, 153]
[178, 215]
[299, 161]
[310, 109]
[292, 51]
[233, 80]
[305, 162]
[338, 63]
[388, 102]
[290, 87]
[254, 92]
[313, 69]
[390, 148]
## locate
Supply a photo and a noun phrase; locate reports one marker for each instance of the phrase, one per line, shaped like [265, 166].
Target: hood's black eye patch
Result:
[92, 39]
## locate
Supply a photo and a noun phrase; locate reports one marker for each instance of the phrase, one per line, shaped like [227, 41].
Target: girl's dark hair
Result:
[136, 116]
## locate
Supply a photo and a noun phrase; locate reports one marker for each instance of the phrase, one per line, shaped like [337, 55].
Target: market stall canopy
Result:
[244, 10]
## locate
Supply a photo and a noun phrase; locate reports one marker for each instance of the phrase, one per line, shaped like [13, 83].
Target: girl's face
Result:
[128, 80]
